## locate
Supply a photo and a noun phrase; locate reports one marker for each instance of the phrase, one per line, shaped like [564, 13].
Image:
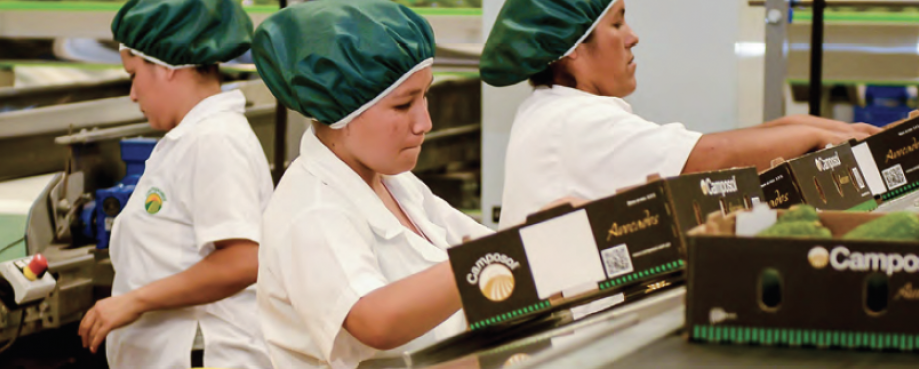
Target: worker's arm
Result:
[232, 267]
[758, 146]
[399, 312]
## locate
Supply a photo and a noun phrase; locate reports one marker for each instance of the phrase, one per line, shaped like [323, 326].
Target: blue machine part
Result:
[86, 219]
[110, 201]
[134, 153]
[884, 105]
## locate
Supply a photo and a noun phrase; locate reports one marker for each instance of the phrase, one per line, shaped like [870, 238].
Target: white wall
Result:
[687, 69]
[499, 105]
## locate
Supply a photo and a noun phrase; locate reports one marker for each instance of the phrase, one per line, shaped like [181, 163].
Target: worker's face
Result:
[604, 65]
[387, 137]
[149, 90]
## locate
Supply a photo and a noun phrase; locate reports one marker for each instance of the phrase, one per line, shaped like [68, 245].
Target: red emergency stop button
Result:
[36, 267]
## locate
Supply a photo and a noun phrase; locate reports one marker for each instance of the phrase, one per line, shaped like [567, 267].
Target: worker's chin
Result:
[628, 87]
[157, 125]
[401, 166]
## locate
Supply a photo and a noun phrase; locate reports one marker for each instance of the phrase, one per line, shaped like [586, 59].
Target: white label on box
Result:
[858, 178]
[751, 223]
[562, 253]
[869, 168]
[581, 311]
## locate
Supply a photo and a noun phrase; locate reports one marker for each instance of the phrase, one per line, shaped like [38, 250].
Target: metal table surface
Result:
[674, 352]
[646, 335]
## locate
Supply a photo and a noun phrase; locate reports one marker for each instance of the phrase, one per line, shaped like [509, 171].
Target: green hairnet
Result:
[531, 34]
[183, 33]
[333, 59]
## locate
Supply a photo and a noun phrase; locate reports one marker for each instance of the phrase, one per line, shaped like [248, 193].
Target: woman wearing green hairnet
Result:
[184, 248]
[354, 256]
[575, 135]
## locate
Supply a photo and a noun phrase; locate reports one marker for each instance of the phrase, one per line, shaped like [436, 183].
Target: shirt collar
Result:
[231, 101]
[325, 165]
[573, 92]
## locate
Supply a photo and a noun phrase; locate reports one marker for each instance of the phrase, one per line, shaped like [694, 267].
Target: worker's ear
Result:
[170, 73]
[574, 54]
[160, 72]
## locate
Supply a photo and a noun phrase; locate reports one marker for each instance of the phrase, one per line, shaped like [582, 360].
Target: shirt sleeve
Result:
[331, 265]
[226, 199]
[607, 145]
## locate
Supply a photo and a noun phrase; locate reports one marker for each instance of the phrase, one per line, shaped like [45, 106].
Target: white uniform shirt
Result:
[567, 142]
[329, 240]
[207, 180]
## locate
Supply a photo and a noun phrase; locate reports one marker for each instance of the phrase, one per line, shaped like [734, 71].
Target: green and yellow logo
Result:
[155, 200]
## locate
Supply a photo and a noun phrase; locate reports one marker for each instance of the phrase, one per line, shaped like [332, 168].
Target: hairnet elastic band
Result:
[154, 60]
[344, 121]
[589, 30]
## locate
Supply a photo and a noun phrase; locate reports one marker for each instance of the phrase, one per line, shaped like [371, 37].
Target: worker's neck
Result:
[191, 93]
[332, 139]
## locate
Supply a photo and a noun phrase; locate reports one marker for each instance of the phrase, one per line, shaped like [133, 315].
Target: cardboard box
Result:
[829, 179]
[802, 292]
[890, 159]
[566, 256]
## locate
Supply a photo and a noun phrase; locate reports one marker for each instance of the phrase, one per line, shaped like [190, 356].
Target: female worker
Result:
[354, 254]
[185, 247]
[575, 136]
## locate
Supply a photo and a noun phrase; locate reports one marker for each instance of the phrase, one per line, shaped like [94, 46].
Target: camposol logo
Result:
[842, 259]
[516, 359]
[828, 163]
[492, 273]
[716, 188]
[818, 257]
[155, 200]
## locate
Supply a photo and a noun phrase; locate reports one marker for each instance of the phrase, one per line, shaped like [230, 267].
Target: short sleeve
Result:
[226, 200]
[607, 145]
[329, 267]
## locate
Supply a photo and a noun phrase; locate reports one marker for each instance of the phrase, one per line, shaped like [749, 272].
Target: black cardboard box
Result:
[802, 292]
[569, 255]
[890, 159]
[829, 179]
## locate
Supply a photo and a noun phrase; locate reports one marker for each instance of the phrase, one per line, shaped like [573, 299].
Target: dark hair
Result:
[545, 77]
[204, 70]
[208, 70]
[556, 74]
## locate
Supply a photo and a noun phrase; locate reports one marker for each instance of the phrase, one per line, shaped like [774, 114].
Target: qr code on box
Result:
[617, 261]
[894, 177]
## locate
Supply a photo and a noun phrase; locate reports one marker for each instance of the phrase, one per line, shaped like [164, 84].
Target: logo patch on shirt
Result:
[155, 200]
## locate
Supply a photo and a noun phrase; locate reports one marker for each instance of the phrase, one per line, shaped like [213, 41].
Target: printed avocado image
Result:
[901, 226]
[154, 203]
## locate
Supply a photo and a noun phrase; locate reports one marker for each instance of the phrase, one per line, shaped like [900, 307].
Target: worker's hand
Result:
[832, 125]
[574, 201]
[107, 315]
[827, 137]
